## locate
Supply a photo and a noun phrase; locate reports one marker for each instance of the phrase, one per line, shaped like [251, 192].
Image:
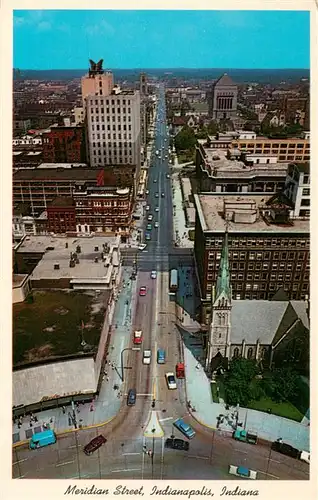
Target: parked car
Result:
[186, 429]
[156, 224]
[305, 456]
[142, 291]
[157, 209]
[155, 180]
[285, 449]
[149, 227]
[147, 357]
[150, 217]
[153, 275]
[147, 207]
[147, 236]
[157, 195]
[171, 380]
[94, 444]
[142, 246]
[131, 397]
[177, 444]
[245, 436]
[147, 191]
[242, 472]
[161, 356]
[137, 337]
[162, 195]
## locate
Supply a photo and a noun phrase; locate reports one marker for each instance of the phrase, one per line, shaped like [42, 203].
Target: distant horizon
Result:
[207, 68]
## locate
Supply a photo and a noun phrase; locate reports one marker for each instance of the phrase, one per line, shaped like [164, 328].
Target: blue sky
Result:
[65, 39]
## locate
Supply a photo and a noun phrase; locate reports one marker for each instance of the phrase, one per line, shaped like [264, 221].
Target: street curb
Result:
[68, 431]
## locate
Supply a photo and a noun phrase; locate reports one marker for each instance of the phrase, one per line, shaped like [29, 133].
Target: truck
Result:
[40, 439]
[245, 436]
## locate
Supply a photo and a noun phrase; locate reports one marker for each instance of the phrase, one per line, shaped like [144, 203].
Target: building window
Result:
[305, 202]
[236, 352]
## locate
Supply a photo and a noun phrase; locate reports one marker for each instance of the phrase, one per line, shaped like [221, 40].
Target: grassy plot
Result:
[52, 325]
[284, 409]
[214, 392]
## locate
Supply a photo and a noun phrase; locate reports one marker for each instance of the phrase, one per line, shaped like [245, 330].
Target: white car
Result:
[157, 152]
[142, 246]
[305, 457]
[171, 380]
[147, 192]
[147, 208]
[153, 274]
[242, 472]
[147, 357]
[157, 195]
[157, 209]
[156, 224]
[150, 217]
[155, 180]
[168, 176]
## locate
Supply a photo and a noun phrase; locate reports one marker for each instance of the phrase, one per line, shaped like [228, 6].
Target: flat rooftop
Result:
[55, 252]
[52, 327]
[210, 210]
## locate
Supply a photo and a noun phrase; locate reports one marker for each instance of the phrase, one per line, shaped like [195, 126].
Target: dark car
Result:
[177, 444]
[94, 444]
[131, 398]
[285, 449]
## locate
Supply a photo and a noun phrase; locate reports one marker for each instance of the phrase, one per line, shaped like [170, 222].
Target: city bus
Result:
[173, 281]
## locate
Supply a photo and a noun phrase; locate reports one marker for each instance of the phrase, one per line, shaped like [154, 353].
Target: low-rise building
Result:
[61, 215]
[298, 189]
[64, 144]
[287, 150]
[267, 249]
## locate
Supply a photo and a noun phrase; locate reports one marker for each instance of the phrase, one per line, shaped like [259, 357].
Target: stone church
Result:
[273, 332]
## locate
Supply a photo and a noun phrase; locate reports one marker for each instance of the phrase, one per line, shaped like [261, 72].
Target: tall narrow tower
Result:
[219, 340]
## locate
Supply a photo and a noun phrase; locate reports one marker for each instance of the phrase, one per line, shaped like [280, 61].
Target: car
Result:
[142, 291]
[137, 337]
[156, 224]
[94, 444]
[147, 357]
[153, 274]
[242, 472]
[305, 456]
[171, 380]
[166, 156]
[157, 152]
[150, 217]
[147, 207]
[168, 176]
[147, 191]
[186, 429]
[155, 180]
[162, 195]
[131, 397]
[157, 209]
[285, 449]
[157, 195]
[149, 227]
[177, 444]
[161, 356]
[147, 236]
[142, 246]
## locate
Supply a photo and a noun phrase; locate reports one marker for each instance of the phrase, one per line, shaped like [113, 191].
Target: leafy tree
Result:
[213, 128]
[185, 139]
[281, 384]
[238, 381]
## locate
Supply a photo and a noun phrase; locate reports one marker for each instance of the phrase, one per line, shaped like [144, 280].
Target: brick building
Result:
[61, 215]
[64, 144]
[268, 250]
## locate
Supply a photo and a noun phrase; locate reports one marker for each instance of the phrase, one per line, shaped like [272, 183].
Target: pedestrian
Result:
[35, 418]
[63, 409]
[107, 379]
[31, 425]
[78, 410]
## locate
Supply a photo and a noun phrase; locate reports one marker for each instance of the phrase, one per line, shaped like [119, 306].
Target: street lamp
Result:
[122, 358]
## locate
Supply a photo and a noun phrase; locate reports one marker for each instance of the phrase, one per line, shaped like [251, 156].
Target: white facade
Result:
[23, 226]
[262, 159]
[298, 190]
[78, 115]
[27, 140]
[113, 125]
[246, 134]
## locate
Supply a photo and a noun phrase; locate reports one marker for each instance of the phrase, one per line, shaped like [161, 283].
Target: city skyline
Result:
[233, 39]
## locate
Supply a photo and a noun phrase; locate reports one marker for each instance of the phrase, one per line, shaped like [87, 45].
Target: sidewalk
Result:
[107, 404]
[180, 230]
[269, 427]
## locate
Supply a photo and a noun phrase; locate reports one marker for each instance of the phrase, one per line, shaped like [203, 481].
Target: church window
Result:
[236, 352]
[264, 353]
[250, 353]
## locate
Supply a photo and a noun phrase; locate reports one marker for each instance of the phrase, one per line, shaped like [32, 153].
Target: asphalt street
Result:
[123, 456]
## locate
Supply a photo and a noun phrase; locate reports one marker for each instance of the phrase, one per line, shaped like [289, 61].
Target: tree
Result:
[213, 128]
[185, 139]
[281, 384]
[238, 381]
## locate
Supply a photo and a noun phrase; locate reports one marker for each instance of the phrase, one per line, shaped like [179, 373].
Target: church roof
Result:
[265, 320]
[224, 80]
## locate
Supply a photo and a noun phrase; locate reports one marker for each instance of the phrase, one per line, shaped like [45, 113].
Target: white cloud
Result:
[101, 28]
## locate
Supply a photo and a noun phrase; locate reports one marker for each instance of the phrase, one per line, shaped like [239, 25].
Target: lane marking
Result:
[20, 461]
[65, 463]
[272, 460]
[196, 456]
[240, 451]
[125, 470]
[131, 453]
[267, 474]
[165, 419]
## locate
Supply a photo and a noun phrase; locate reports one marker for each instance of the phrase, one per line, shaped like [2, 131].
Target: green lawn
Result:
[220, 384]
[185, 157]
[51, 325]
[284, 409]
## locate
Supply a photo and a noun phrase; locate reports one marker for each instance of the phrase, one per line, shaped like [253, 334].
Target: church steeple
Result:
[223, 280]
